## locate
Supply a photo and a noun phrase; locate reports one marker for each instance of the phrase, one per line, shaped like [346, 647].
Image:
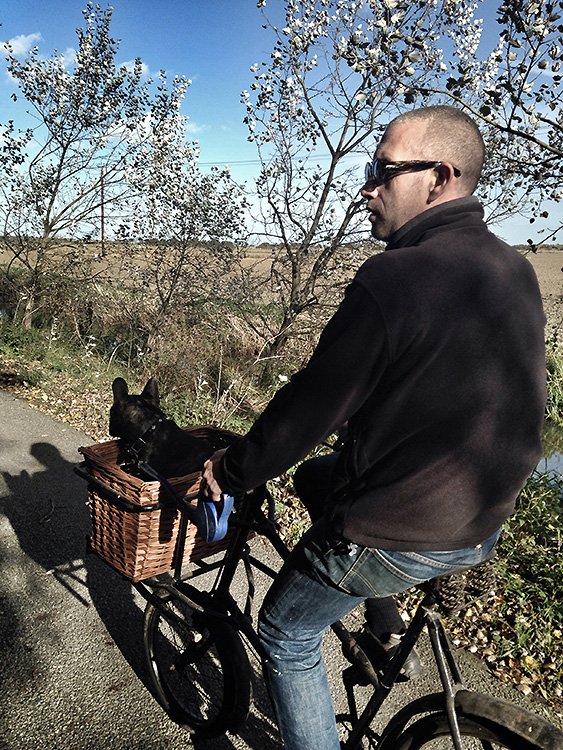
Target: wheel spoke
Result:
[198, 669]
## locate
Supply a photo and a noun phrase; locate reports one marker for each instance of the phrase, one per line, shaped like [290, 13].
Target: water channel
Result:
[552, 461]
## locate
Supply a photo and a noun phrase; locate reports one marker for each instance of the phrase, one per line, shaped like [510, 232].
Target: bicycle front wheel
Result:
[485, 723]
[198, 666]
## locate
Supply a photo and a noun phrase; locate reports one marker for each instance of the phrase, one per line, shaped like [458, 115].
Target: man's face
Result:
[405, 195]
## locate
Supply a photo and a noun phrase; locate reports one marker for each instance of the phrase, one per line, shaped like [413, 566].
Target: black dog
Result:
[149, 437]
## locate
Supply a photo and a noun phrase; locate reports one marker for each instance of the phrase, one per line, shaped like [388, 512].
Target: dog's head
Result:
[131, 415]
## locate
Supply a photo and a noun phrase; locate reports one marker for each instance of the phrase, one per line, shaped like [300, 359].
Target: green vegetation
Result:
[519, 632]
[532, 575]
[555, 388]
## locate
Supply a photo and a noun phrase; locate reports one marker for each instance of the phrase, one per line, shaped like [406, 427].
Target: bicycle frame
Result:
[217, 602]
[450, 677]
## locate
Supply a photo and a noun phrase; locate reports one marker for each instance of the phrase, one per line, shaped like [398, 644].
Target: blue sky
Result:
[212, 42]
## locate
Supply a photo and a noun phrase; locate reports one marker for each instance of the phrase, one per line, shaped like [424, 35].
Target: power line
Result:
[253, 162]
[248, 162]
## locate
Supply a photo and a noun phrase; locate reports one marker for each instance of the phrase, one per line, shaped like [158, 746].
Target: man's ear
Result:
[444, 186]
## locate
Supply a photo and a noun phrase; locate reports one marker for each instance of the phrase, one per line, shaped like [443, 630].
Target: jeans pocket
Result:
[375, 575]
[328, 558]
[378, 573]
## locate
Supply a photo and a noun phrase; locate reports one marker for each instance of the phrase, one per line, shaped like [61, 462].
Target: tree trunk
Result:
[27, 317]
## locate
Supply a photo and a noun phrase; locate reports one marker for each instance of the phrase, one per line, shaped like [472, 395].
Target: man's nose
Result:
[369, 190]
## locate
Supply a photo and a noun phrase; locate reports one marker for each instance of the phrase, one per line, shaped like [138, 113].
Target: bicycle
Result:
[201, 672]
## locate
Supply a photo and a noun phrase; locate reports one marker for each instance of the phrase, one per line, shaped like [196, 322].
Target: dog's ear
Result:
[150, 392]
[120, 390]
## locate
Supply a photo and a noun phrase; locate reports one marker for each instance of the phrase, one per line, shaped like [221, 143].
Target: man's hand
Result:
[213, 478]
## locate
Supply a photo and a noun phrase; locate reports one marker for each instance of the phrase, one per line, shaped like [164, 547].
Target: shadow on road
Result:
[48, 513]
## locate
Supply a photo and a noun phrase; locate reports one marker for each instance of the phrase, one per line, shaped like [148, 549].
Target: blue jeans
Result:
[321, 581]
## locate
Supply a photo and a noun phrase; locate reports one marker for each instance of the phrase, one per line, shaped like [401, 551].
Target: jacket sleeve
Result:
[344, 369]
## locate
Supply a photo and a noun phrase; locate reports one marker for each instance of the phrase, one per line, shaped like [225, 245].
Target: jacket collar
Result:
[446, 215]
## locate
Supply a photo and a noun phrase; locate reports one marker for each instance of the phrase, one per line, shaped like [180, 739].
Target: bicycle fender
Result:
[529, 726]
[526, 724]
[423, 705]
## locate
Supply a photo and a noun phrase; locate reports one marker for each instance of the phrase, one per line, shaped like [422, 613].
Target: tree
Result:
[341, 69]
[89, 114]
[186, 223]
[515, 93]
[12, 155]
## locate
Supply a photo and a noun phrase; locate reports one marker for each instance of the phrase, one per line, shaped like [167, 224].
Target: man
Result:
[435, 359]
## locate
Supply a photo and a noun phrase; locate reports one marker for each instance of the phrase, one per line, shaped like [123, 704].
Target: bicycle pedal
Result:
[379, 657]
[412, 667]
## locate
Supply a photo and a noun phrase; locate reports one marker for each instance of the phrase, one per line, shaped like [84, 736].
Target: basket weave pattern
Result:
[137, 543]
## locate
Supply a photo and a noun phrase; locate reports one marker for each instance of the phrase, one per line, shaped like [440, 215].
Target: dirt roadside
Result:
[548, 265]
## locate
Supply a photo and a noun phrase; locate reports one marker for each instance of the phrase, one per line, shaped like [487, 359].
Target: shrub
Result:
[554, 407]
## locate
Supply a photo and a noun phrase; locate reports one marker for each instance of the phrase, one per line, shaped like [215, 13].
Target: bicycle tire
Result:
[199, 668]
[484, 722]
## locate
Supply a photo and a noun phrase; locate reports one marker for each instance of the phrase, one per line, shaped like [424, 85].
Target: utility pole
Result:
[102, 217]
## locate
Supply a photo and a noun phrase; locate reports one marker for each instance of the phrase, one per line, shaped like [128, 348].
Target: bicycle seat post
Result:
[448, 670]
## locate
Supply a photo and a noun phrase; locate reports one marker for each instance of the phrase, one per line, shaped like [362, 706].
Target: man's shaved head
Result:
[450, 135]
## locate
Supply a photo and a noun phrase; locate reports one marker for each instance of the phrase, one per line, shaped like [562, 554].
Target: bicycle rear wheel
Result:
[198, 666]
[485, 723]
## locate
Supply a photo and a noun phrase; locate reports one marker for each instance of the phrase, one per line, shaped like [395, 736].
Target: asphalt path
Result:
[72, 670]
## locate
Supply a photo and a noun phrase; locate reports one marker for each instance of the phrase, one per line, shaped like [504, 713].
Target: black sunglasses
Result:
[380, 171]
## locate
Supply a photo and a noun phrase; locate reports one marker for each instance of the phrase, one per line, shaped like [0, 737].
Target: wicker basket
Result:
[142, 543]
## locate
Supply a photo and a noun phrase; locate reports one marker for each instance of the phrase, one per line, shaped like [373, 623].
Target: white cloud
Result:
[193, 128]
[20, 45]
[68, 57]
